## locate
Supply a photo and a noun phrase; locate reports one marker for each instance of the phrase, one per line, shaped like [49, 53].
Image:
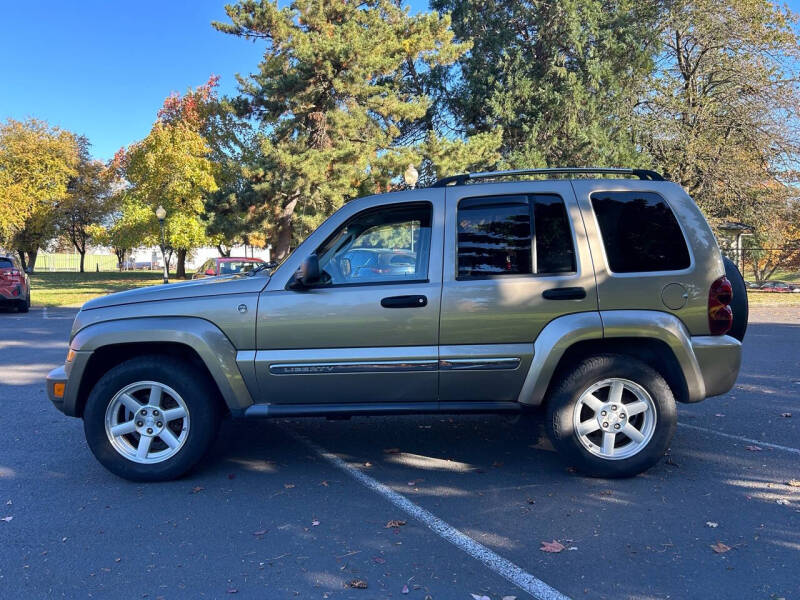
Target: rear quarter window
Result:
[640, 232]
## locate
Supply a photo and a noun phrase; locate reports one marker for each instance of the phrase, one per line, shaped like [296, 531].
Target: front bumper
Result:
[69, 375]
[718, 358]
[57, 382]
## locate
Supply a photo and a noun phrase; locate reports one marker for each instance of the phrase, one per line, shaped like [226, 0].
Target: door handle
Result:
[565, 293]
[404, 302]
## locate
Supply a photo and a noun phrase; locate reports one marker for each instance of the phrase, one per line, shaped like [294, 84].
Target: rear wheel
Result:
[150, 419]
[613, 416]
[24, 305]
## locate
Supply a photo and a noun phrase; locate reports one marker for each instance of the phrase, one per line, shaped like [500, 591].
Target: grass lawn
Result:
[73, 289]
[773, 298]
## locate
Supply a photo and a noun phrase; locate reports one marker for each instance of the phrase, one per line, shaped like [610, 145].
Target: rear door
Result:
[515, 258]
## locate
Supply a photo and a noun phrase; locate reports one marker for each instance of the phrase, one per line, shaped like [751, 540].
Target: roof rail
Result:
[643, 174]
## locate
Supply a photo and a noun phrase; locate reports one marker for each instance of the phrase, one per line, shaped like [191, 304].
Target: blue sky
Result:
[102, 68]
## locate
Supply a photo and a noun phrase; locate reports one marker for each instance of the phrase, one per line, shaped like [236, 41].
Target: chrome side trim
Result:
[479, 364]
[335, 368]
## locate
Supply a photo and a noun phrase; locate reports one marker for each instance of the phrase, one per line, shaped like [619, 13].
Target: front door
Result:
[516, 258]
[369, 331]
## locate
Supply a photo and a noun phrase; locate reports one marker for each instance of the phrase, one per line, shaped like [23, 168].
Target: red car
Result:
[226, 266]
[15, 288]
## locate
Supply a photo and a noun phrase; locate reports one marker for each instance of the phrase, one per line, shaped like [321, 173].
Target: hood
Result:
[209, 286]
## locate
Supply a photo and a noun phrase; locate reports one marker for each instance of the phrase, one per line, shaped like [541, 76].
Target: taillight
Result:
[12, 275]
[720, 315]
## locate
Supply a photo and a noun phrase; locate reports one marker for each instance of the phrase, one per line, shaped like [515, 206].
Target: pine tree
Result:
[333, 96]
[560, 78]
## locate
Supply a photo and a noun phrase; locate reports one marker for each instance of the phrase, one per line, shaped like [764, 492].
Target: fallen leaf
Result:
[480, 597]
[261, 532]
[6, 519]
[712, 524]
[787, 415]
[233, 591]
[358, 584]
[793, 483]
[391, 450]
[719, 415]
[394, 523]
[367, 464]
[379, 560]
[404, 590]
[509, 598]
[554, 546]
[531, 501]
[325, 483]
[720, 548]
[753, 448]
[288, 486]
[8, 503]
[197, 488]
[314, 523]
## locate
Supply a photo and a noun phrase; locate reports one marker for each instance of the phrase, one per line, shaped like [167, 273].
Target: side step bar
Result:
[378, 408]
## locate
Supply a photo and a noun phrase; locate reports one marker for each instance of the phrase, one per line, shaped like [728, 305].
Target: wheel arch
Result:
[107, 344]
[657, 338]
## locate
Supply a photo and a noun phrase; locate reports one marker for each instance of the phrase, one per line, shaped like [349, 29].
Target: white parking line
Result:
[523, 580]
[743, 439]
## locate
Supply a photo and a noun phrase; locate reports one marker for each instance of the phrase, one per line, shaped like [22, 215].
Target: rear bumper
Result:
[718, 359]
[11, 293]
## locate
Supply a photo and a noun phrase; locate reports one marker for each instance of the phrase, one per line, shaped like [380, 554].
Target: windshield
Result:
[230, 267]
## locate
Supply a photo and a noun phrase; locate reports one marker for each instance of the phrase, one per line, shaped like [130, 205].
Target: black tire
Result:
[567, 391]
[739, 304]
[24, 305]
[191, 383]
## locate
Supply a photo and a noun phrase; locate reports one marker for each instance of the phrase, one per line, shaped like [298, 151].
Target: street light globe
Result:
[161, 214]
[411, 176]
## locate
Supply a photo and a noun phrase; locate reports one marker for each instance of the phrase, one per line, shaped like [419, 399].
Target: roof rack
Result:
[643, 174]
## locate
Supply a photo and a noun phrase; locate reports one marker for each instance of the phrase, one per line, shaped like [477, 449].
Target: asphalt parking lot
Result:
[299, 509]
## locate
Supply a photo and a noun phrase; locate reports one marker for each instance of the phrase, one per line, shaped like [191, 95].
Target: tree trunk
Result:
[223, 251]
[180, 270]
[284, 231]
[27, 259]
[83, 257]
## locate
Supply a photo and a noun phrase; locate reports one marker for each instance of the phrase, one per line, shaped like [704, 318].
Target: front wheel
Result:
[151, 418]
[612, 416]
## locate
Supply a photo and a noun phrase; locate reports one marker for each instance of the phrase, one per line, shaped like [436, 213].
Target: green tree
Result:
[560, 78]
[171, 167]
[333, 97]
[37, 162]
[87, 202]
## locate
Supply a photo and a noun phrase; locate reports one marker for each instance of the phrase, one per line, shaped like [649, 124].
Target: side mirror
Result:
[308, 274]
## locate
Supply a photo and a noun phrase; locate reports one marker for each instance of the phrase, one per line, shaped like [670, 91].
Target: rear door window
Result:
[514, 235]
[640, 233]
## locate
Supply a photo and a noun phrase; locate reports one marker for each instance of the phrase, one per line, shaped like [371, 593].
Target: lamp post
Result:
[161, 214]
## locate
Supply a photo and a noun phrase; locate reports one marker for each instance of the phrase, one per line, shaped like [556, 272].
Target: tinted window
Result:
[639, 232]
[379, 246]
[5, 263]
[495, 236]
[554, 250]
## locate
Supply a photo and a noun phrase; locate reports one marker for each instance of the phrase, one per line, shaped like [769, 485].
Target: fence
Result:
[71, 262]
[752, 259]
